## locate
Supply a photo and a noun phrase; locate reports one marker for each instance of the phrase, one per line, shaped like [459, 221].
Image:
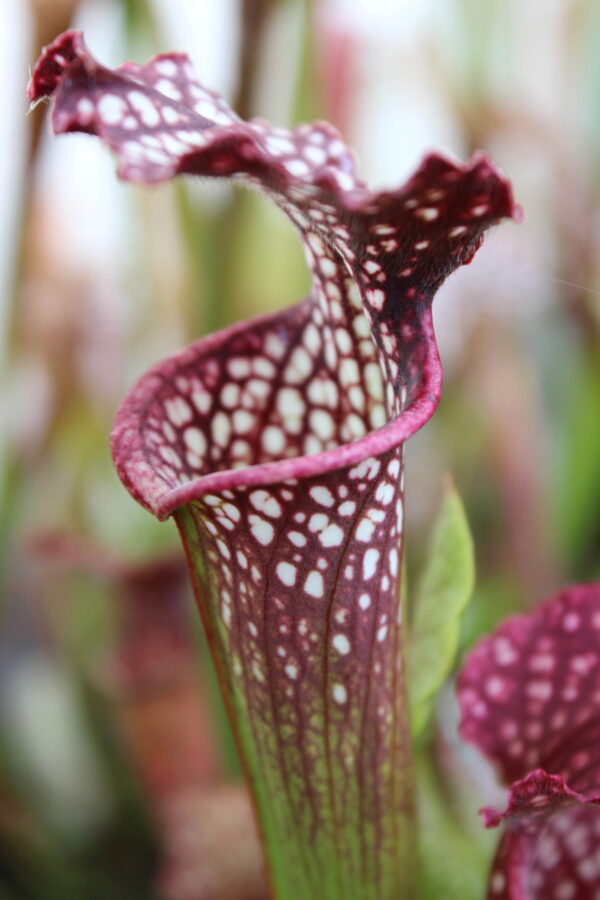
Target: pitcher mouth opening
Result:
[149, 465]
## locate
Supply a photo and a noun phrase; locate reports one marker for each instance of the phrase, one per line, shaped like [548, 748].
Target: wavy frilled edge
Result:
[277, 446]
[530, 700]
[396, 246]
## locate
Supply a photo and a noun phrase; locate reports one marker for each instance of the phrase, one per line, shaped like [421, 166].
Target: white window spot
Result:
[504, 652]
[385, 229]
[145, 107]
[422, 245]
[291, 671]
[221, 429]
[571, 621]
[170, 90]
[332, 536]
[85, 110]
[364, 601]
[273, 439]
[370, 561]
[286, 573]
[356, 397]
[314, 584]
[317, 156]
[230, 395]
[238, 367]
[202, 401]
[279, 146]
[368, 468]
[316, 244]
[365, 530]
[264, 502]
[159, 157]
[393, 562]
[263, 367]
[344, 179]
[297, 538]
[173, 146]
[242, 559]
[311, 338]
[394, 468]
[223, 549]
[195, 440]
[261, 529]
[318, 521]
[178, 410]
[457, 231]
[328, 266]
[322, 496]
[341, 644]
[258, 388]
[340, 694]
[427, 213]
[382, 633]
[299, 367]
[495, 687]
[290, 404]
[376, 298]
[172, 117]
[343, 340]
[347, 508]
[321, 423]
[384, 493]
[297, 167]
[480, 210]
[273, 346]
[349, 372]
[112, 109]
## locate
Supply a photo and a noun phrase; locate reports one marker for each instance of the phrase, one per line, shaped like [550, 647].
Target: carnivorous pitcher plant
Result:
[277, 447]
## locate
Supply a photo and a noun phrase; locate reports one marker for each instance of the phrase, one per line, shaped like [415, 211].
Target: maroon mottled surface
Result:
[530, 700]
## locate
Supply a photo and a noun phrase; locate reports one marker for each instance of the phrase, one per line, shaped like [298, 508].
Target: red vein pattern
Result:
[530, 700]
[277, 446]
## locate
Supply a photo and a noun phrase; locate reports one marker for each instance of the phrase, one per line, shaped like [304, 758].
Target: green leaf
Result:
[443, 592]
[578, 481]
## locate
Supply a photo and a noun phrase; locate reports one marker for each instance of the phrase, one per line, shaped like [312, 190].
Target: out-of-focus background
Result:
[117, 776]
